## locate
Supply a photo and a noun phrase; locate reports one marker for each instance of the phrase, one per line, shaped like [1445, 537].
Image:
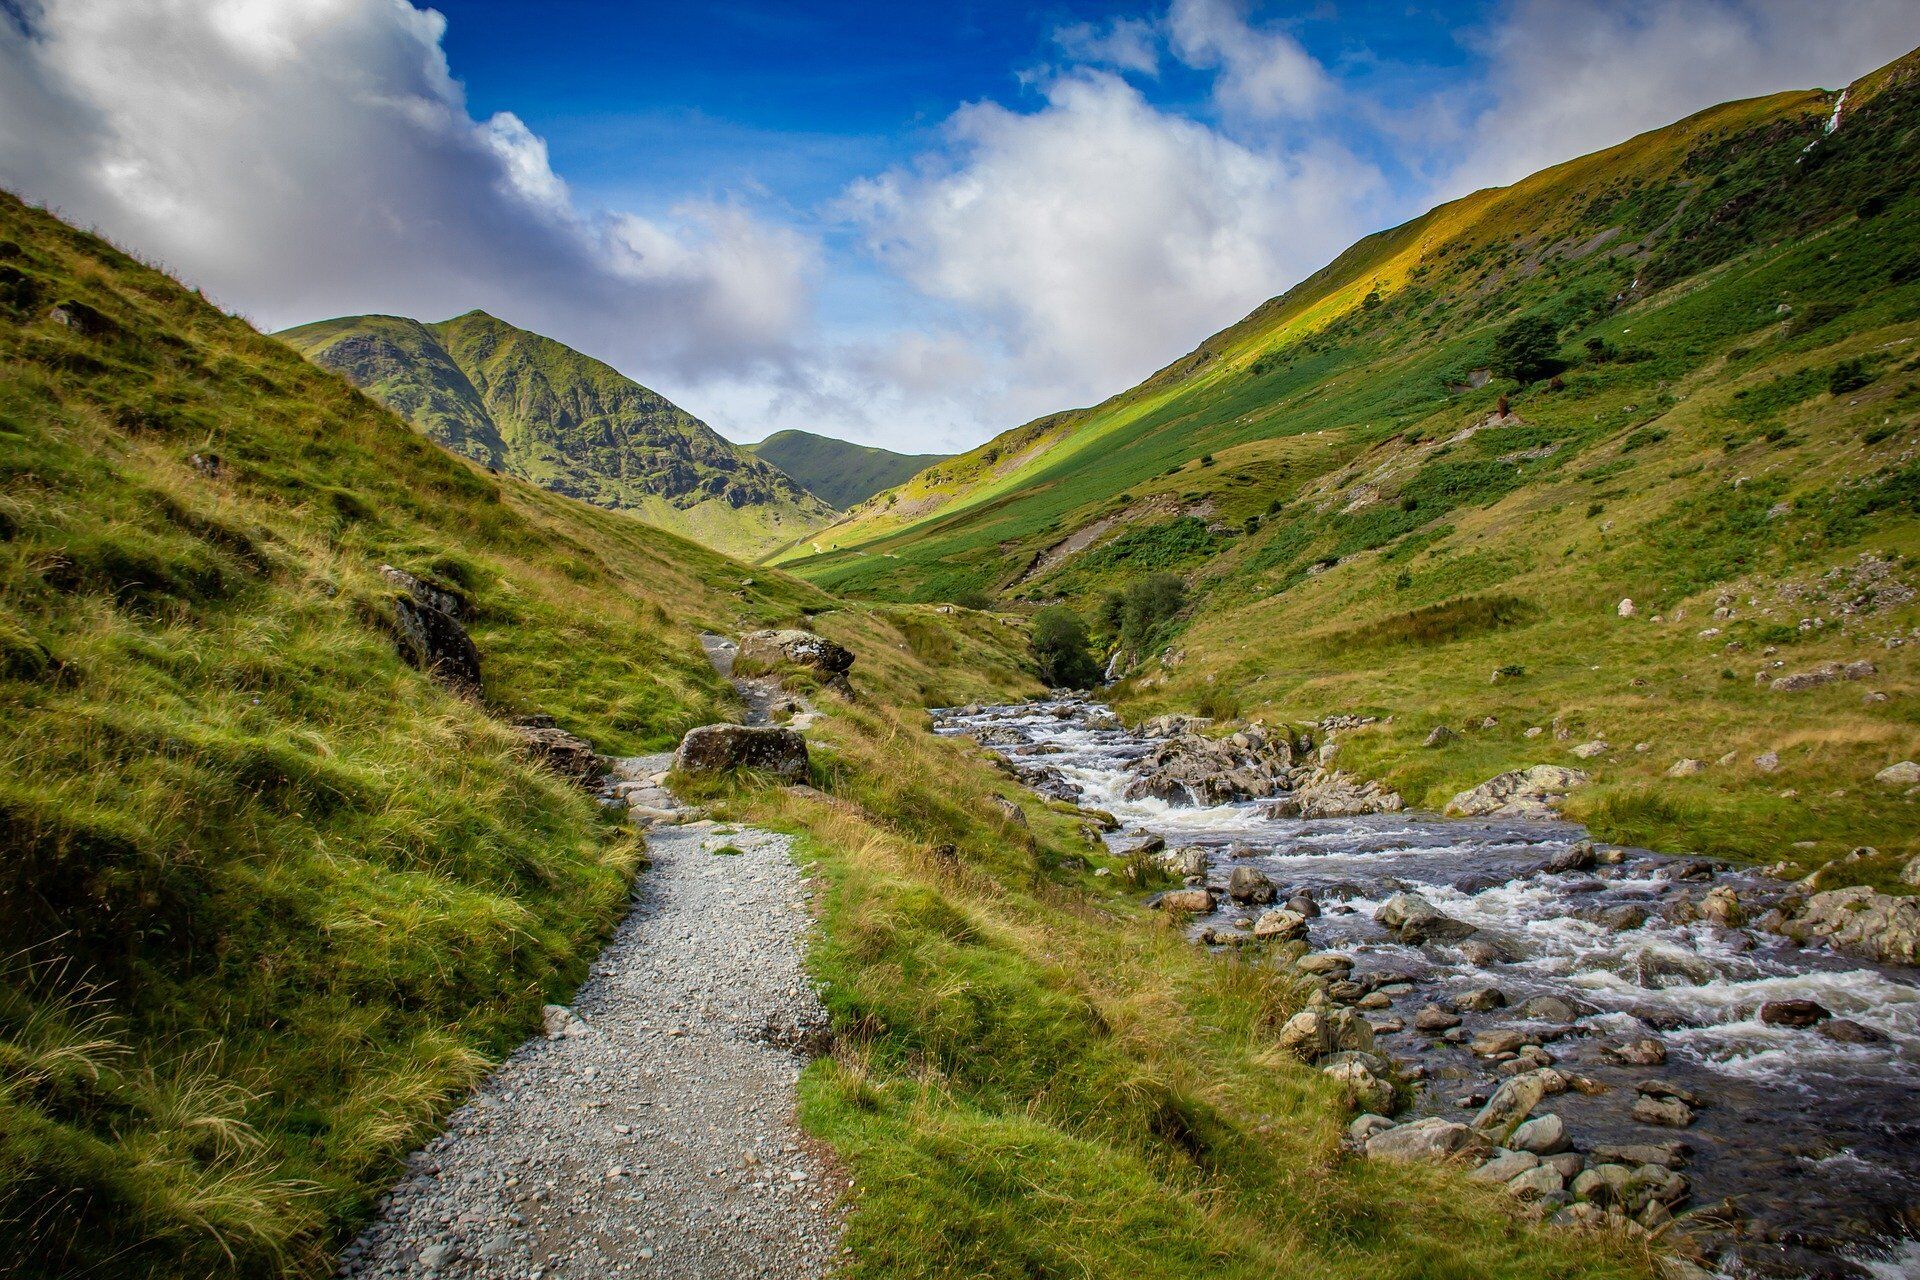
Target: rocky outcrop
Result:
[1190, 769]
[1824, 673]
[567, 754]
[428, 634]
[722, 748]
[1313, 1034]
[766, 650]
[1320, 793]
[1534, 792]
[1856, 920]
[1413, 919]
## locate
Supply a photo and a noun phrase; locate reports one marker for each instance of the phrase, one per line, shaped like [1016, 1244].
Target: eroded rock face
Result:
[719, 748]
[427, 631]
[1533, 792]
[760, 650]
[1857, 920]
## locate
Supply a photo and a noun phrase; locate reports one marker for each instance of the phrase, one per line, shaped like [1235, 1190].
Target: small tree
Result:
[1060, 643]
[1527, 350]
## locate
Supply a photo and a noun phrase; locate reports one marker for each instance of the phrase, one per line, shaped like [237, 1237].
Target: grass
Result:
[273, 899]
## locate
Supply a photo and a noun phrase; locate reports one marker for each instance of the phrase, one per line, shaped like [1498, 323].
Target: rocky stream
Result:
[1619, 1036]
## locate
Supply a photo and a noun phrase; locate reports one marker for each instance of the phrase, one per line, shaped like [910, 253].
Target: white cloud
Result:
[307, 158]
[1100, 237]
[1125, 44]
[1262, 72]
[1564, 78]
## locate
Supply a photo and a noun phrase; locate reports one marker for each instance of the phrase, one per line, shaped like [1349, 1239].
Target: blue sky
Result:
[906, 225]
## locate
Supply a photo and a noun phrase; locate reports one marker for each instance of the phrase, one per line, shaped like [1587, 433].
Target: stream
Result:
[1804, 1153]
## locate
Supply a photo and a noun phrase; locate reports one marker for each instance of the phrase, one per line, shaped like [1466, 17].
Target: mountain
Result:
[837, 472]
[517, 402]
[1680, 372]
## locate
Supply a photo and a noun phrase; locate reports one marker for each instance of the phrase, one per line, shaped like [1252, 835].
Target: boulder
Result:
[430, 637]
[1173, 726]
[1515, 1100]
[1364, 1127]
[765, 650]
[1686, 768]
[566, 754]
[1190, 769]
[1544, 1135]
[1320, 794]
[1794, 1013]
[1904, 774]
[1432, 1019]
[1429, 1139]
[1440, 736]
[1249, 884]
[1187, 860]
[1413, 919]
[1538, 1182]
[721, 748]
[1505, 1165]
[1313, 1034]
[1603, 1184]
[1673, 1113]
[1480, 999]
[1492, 1043]
[1364, 1090]
[1644, 1052]
[1186, 901]
[1280, 926]
[1576, 857]
[1858, 921]
[1324, 963]
[1534, 792]
[1847, 1031]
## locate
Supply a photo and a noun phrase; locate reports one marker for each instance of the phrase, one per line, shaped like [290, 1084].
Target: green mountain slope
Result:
[837, 472]
[532, 407]
[1733, 307]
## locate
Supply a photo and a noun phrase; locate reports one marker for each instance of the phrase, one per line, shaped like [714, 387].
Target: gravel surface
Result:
[654, 1134]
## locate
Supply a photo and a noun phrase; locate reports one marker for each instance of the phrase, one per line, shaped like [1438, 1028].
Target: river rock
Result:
[1489, 1044]
[1544, 1135]
[720, 748]
[1480, 999]
[1603, 1184]
[1549, 1009]
[1324, 963]
[1364, 1127]
[1669, 1155]
[1413, 919]
[1794, 1013]
[1186, 901]
[1515, 1100]
[1669, 1112]
[1432, 1019]
[1504, 1165]
[1304, 904]
[1313, 1034]
[1644, 1052]
[1860, 922]
[1190, 769]
[1364, 1090]
[1538, 1182]
[1722, 906]
[1280, 926]
[1428, 1139]
[1188, 860]
[765, 650]
[1249, 884]
[1576, 857]
[1847, 1031]
[1533, 792]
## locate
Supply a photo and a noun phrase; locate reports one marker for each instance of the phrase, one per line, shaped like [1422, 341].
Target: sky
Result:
[912, 225]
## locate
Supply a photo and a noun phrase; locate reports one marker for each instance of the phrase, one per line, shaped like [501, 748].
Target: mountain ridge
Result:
[839, 472]
[516, 401]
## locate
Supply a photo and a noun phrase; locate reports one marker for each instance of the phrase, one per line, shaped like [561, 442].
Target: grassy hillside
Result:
[1724, 432]
[534, 408]
[838, 473]
[272, 898]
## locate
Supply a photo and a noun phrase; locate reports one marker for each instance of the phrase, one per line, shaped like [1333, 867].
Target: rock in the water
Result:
[1670, 1112]
[1280, 926]
[1644, 1052]
[1480, 999]
[429, 636]
[1187, 860]
[1489, 1044]
[566, 754]
[1847, 1031]
[1432, 1019]
[1515, 1100]
[1533, 792]
[1429, 1139]
[1324, 963]
[720, 748]
[1794, 1013]
[1190, 769]
[1857, 920]
[1413, 919]
[1313, 1034]
[767, 650]
[1249, 884]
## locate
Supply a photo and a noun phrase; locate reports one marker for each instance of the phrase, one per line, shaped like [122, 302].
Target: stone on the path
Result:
[1533, 792]
[552, 747]
[560, 1022]
[721, 748]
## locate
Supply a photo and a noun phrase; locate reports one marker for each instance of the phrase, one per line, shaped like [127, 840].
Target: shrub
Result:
[1060, 644]
[1527, 350]
[1848, 375]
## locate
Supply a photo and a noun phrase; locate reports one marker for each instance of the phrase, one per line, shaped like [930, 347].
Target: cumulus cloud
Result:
[1262, 72]
[1100, 236]
[1125, 44]
[306, 158]
[1563, 79]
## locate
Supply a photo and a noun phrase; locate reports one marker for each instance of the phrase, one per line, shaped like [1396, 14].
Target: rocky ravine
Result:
[651, 1130]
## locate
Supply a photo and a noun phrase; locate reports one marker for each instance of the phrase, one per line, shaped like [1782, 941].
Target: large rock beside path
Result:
[567, 754]
[722, 748]
[1534, 792]
[763, 650]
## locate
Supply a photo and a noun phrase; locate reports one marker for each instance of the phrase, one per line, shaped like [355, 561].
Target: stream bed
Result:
[1803, 1154]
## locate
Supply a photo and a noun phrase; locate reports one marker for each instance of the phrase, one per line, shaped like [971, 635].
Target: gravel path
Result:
[654, 1134]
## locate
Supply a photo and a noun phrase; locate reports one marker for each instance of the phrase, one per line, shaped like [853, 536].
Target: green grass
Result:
[837, 472]
[273, 900]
